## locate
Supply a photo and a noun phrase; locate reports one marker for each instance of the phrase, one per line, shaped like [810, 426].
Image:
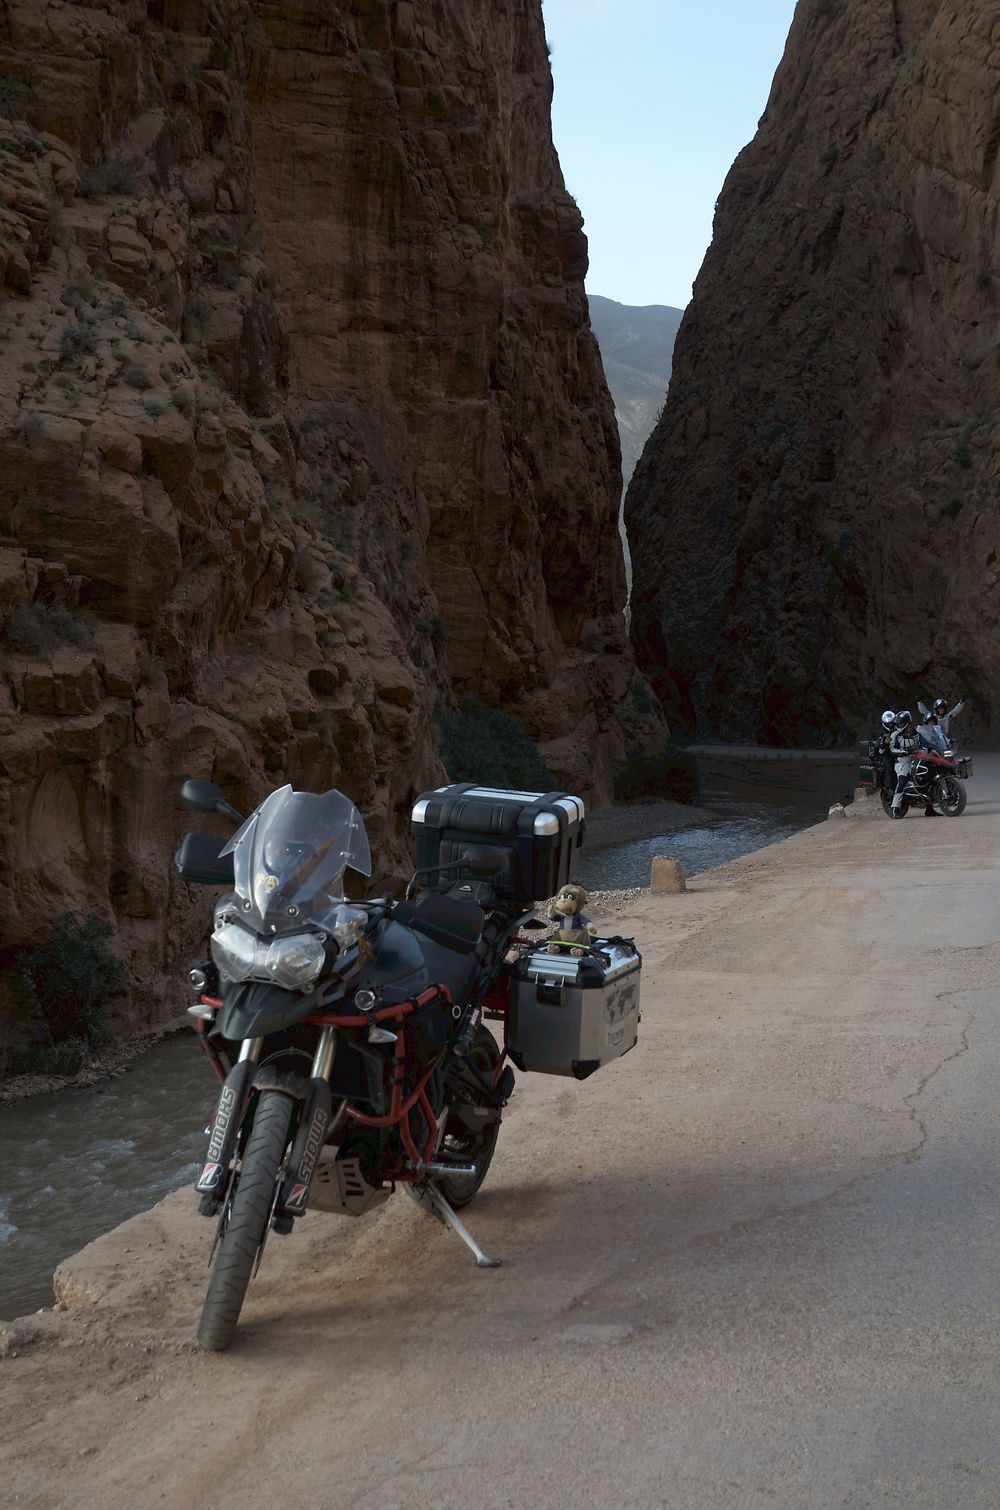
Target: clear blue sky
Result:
[653, 100]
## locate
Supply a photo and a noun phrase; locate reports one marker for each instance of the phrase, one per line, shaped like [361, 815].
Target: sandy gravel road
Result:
[752, 1265]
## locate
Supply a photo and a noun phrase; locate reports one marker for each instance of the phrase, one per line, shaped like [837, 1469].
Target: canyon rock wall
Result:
[814, 523]
[302, 431]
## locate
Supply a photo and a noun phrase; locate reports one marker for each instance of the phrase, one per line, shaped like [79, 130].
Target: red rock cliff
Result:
[302, 428]
[814, 525]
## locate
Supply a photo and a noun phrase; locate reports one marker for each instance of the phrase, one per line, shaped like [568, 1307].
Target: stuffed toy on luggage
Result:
[576, 931]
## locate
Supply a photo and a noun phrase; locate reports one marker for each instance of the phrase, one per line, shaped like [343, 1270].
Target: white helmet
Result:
[888, 718]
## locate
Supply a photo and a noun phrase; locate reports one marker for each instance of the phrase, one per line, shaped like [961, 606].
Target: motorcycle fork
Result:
[314, 1124]
[229, 1114]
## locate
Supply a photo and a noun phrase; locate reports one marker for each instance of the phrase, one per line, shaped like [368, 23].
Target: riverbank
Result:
[623, 822]
[750, 1265]
[110, 1062]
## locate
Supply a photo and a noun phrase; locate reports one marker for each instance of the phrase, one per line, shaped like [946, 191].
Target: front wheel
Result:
[951, 796]
[248, 1212]
[904, 806]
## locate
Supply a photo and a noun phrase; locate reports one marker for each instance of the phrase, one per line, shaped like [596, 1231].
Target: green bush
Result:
[36, 628]
[667, 772]
[482, 744]
[66, 1058]
[43, 1058]
[135, 377]
[66, 983]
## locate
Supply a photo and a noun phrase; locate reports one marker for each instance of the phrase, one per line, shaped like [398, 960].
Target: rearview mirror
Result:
[206, 797]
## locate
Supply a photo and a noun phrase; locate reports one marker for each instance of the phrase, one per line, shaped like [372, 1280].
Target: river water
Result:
[739, 818]
[76, 1163]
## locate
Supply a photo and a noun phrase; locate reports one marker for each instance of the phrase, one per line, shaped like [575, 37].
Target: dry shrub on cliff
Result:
[77, 340]
[482, 744]
[38, 628]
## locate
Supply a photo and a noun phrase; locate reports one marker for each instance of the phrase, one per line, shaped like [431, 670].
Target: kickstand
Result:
[432, 1199]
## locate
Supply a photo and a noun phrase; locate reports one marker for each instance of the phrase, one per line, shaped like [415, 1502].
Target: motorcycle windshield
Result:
[290, 855]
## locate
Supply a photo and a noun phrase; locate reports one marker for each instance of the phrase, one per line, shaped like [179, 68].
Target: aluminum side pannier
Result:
[571, 1016]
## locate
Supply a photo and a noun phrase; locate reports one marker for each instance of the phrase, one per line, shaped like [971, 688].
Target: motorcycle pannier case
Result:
[540, 833]
[569, 1016]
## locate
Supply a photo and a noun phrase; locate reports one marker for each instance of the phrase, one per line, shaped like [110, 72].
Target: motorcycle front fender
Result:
[253, 1009]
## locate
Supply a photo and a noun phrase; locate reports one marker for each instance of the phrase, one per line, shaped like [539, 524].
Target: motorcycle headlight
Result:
[296, 961]
[293, 962]
[234, 951]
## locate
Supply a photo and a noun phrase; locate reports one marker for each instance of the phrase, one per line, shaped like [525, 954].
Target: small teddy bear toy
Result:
[577, 930]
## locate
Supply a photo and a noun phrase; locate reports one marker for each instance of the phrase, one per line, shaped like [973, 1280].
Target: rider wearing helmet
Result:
[944, 715]
[930, 736]
[902, 747]
[880, 752]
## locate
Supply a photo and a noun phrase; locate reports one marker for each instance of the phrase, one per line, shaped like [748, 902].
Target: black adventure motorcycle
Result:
[934, 780]
[349, 1036]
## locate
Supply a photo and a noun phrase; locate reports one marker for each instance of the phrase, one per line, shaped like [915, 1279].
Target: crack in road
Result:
[915, 1152]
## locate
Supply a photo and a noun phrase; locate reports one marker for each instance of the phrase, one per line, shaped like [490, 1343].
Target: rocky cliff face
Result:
[814, 523]
[302, 429]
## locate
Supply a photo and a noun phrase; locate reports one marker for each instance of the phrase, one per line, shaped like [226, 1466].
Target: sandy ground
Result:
[753, 1264]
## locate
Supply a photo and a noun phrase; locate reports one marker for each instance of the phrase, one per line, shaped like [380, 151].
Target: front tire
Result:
[249, 1211]
[903, 808]
[951, 796]
[474, 1147]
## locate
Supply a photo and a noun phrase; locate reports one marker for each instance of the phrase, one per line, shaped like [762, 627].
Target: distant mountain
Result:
[637, 343]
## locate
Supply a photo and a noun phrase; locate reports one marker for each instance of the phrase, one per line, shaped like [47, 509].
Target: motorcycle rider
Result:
[881, 758]
[944, 714]
[902, 747]
[930, 736]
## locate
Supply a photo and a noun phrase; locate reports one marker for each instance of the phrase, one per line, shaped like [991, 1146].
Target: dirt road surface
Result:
[754, 1264]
